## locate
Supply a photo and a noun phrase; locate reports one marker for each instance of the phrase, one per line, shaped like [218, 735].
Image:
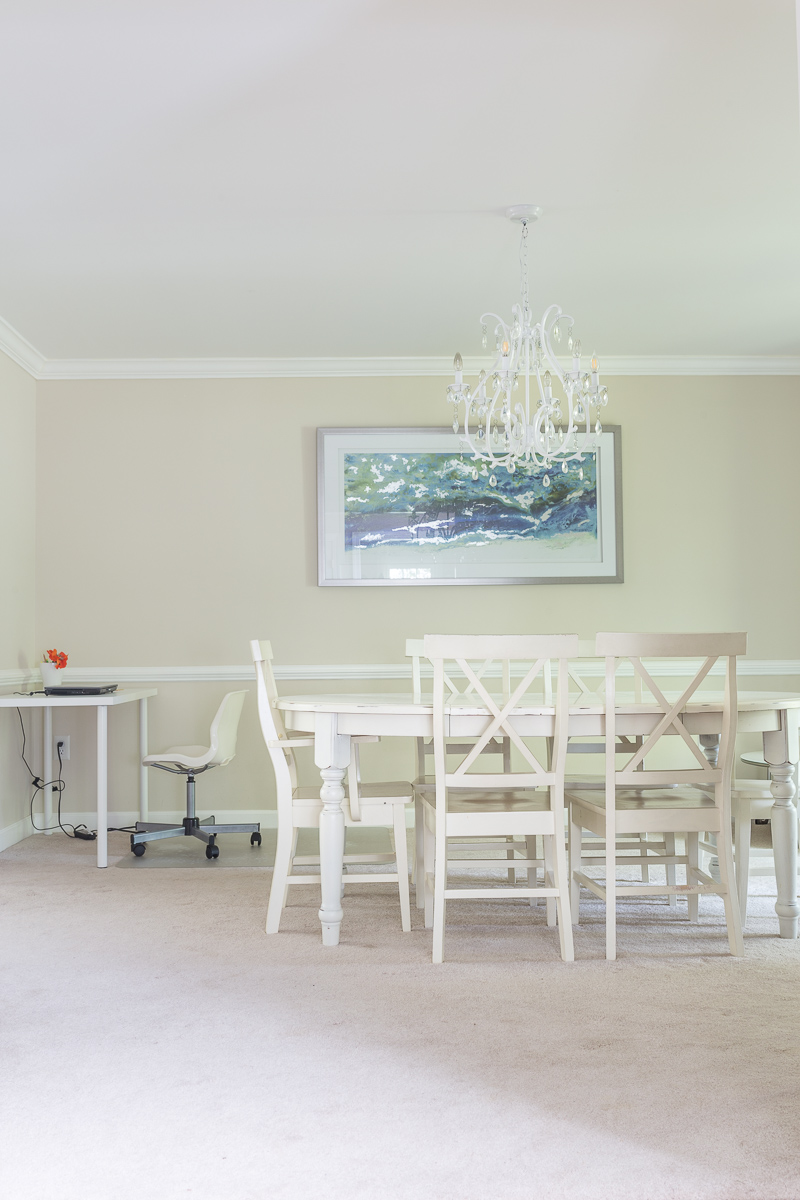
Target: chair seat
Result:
[181, 756]
[646, 799]
[495, 800]
[397, 792]
[757, 788]
[658, 810]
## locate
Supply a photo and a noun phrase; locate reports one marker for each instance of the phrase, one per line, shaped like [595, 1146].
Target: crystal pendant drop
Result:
[580, 473]
[564, 468]
[455, 425]
[546, 481]
[493, 480]
[556, 333]
[511, 468]
[598, 428]
[474, 474]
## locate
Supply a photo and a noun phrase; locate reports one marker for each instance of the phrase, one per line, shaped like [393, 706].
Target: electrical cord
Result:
[81, 831]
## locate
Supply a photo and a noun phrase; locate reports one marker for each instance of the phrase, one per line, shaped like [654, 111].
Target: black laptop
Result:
[69, 689]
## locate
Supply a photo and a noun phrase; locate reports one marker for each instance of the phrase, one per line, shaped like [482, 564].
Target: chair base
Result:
[205, 831]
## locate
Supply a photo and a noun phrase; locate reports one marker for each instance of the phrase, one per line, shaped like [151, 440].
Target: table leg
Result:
[784, 847]
[332, 756]
[47, 768]
[102, 785]
[143, 798]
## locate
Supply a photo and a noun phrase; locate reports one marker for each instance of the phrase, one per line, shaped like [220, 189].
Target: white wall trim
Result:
[27, 356]
[353, 672]
[20, 350]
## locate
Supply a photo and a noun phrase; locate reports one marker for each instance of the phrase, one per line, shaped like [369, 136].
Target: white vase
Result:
[52, 676]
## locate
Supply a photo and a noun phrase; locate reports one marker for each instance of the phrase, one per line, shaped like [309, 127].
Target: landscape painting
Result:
[436, 499]
[414, 507]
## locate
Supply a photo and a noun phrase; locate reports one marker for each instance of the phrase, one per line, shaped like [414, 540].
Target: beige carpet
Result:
[156, 1044]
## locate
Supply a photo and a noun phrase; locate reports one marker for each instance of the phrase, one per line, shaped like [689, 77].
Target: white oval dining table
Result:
[334, 719]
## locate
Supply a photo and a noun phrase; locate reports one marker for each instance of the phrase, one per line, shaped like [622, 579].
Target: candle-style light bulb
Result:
[594, 362]
[458, 363]
[505, 347]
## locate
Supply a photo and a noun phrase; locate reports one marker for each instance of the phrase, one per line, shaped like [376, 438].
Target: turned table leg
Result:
[332, 756]
[784, 847]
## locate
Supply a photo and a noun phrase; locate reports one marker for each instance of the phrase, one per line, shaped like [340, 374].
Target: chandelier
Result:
[555, 420]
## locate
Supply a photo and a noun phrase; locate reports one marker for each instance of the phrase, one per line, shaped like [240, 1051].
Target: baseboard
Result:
[11, 834]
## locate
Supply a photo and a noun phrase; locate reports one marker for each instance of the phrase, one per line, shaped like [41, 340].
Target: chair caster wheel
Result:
[212, 851]
[138, 849]
[255, 839]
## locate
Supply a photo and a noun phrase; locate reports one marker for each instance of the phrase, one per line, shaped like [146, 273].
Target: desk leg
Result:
[47, 768]
[143, 799]
[332, 756]
[102, 785]
[784, 847]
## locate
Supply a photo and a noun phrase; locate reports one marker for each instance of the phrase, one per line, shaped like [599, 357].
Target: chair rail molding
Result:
[29, 679]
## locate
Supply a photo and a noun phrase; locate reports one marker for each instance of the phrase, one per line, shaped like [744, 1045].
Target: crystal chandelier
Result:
[543, 428]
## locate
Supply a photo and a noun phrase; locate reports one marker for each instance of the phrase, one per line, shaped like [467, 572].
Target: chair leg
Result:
[530, 852]
[428, 855]
[643, 852]
[561, 878]
[575, 864]
[730, 899]
[742, 833]
[693, 860]
[284, 853]
[419, 852]
[439, 884]
[511, 874]
[549, 876]
[669, 842]
[401, 858]
[611, 897]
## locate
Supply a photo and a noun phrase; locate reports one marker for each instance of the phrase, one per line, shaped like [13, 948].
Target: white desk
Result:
[334, 719]
[102, 704]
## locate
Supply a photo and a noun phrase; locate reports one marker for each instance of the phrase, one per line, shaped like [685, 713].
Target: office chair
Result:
[191, 761]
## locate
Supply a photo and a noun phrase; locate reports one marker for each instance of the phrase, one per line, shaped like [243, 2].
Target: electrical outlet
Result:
[63, 742]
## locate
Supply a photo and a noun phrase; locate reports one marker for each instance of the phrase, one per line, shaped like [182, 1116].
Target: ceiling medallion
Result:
[540, 429]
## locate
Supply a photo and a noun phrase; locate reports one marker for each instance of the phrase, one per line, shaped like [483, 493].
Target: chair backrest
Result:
[225, 726]
[503, 649]
[415, 650]
[618, 648]
[272, 727]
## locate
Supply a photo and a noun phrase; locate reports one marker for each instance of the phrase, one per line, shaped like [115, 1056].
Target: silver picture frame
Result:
[409, 532]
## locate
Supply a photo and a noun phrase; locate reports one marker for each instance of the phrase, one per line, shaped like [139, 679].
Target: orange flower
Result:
[58, 657]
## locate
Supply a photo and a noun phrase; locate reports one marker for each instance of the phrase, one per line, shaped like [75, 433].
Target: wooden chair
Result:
[424, 780]
[477, 804]
[668, 800]
[365, 806]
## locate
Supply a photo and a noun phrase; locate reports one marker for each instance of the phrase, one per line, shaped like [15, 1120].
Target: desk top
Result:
[39, 700]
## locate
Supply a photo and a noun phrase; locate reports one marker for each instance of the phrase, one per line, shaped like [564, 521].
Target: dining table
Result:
[335, 718]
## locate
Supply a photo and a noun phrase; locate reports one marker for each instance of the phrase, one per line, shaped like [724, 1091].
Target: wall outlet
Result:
[63, 741]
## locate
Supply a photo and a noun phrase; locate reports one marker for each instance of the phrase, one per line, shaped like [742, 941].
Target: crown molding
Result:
[20, 350]
[375, 368]
[41, 368]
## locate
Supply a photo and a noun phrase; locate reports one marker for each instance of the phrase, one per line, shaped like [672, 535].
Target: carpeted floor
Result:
[156, 1043]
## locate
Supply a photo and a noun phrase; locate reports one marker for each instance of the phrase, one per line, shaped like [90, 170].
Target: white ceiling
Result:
[257, 178]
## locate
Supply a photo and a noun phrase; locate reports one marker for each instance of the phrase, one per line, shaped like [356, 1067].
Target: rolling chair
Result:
[192, 761]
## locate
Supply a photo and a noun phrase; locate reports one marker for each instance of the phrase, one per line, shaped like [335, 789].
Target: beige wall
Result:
[17, 556]
[177, 519]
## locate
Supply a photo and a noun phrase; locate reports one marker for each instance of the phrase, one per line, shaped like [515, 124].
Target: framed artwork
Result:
[410, 507]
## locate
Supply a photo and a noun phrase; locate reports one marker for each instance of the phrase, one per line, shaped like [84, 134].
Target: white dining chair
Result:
[366, 806]
[424, 780]
[470, 803]
[688, 799]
